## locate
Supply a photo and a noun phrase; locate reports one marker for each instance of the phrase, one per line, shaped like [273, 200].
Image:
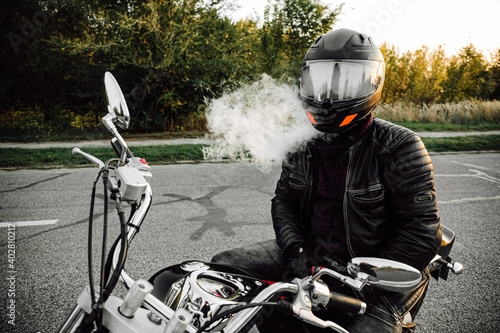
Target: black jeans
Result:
[264, 260]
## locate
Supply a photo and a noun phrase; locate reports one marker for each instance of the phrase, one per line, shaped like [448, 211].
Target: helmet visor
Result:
[340, 80]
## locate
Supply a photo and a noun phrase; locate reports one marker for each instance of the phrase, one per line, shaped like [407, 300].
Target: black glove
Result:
[297, 262]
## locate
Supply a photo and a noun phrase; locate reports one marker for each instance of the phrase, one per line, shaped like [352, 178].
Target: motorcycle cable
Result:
[96, 315]
[109, 261]
[106, 287]
[90, 233]
[87, 324]
[283, 306]
[100, 303]
[97, 307]
[122, 256]
[104, 235]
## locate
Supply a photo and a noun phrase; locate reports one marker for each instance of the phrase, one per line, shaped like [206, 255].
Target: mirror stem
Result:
[107, 120]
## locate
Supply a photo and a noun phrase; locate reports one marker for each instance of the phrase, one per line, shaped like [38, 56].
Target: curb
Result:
[464, 152]
[187, 141]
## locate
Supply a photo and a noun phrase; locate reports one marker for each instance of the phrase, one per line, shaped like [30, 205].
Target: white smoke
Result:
[259, 122]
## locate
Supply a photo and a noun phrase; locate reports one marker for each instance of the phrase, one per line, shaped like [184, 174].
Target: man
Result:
[364, 188]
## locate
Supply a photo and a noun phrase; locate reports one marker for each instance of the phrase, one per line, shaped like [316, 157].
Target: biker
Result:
[363, 188]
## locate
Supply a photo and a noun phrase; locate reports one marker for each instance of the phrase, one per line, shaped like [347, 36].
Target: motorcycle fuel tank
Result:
[205, 289]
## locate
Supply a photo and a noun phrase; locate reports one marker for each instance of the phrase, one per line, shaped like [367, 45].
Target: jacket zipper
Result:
[311, 159]
[346, 226]
[347, 179]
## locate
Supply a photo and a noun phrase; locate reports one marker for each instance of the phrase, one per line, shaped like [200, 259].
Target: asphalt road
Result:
[201, 209]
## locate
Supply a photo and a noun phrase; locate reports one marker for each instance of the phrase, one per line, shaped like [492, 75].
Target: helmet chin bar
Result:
[334, 123]
[341, 116]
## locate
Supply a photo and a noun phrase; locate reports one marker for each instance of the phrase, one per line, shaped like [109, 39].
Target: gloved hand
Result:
[297, 262]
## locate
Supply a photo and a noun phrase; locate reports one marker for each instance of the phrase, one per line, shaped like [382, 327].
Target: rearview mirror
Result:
[117, 106]
[386, 274]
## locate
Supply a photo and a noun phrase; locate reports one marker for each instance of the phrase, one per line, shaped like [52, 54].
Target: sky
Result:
[408, 24]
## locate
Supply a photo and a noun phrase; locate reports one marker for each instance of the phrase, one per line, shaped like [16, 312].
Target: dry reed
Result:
[465, 112]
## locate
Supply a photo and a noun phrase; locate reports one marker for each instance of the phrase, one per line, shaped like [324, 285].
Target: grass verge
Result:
[63, 158]
[434, 127]
[17, 158]
[103, 134]
[463, 143]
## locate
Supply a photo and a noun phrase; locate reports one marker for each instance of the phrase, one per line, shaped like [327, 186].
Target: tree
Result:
[41, 77]
[427, 72]
[290, 27]
[468, 76]
[494, 69]
[167, 55]
[436, 75]
[396, 74]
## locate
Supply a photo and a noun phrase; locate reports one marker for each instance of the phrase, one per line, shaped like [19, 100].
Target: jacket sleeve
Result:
[286, 212]
[416, 234]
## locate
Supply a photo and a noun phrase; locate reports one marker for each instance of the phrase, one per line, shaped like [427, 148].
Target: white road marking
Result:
[469, 200]
[27, 223]
[477, 174]
[485, 176]
[475, 166]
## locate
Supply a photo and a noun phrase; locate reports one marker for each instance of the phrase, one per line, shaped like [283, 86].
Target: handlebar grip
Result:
[346, 303]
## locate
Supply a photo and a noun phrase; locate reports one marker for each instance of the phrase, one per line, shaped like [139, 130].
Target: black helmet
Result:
[341, 80]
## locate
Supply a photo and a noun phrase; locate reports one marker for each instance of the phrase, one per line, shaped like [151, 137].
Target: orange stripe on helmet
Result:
[311, 118]
[348, 119]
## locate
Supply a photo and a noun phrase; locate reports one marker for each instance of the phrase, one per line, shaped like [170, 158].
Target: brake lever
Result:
[308, 317]
[303, 304]
[357, 284]
[93, 159]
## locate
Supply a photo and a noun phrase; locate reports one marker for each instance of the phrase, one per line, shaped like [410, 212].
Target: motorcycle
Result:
[197, 296]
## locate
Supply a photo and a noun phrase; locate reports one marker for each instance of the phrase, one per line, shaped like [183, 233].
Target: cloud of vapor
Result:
[259, 122]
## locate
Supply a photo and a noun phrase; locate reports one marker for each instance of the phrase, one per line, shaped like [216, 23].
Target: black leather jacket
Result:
[389, 200]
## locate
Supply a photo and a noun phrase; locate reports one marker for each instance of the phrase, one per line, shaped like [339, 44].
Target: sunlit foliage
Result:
[171, 55]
